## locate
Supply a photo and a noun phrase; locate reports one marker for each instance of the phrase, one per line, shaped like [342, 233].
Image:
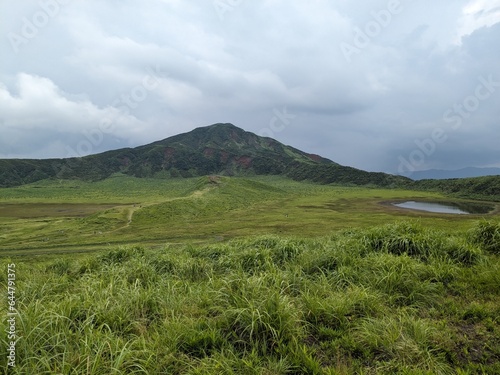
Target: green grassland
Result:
[76, 216]
[261, 275]
[398, 298]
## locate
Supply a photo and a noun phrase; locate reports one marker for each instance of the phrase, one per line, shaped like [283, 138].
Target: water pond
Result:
[446, 208]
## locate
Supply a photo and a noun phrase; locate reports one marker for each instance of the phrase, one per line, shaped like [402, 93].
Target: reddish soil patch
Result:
[244, 161]
[314, 157]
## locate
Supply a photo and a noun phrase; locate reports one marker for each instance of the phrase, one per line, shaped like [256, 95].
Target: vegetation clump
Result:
[487, 235]
[424, 244]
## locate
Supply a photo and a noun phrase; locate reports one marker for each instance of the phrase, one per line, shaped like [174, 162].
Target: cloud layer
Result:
[369, 85]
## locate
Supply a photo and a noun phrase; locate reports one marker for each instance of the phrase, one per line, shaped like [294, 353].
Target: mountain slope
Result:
[217, 149]
[222, 149]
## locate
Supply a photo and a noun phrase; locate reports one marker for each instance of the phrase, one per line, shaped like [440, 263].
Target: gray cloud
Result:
[119, 73]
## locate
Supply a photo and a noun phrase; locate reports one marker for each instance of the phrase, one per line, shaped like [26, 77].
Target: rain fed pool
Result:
[432, 207]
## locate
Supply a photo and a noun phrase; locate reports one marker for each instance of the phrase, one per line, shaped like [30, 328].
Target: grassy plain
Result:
[246, 276]
[76, 216]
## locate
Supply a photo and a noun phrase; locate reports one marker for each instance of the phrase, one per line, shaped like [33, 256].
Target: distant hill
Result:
[485, 187]
[222, 149]
[440, 174]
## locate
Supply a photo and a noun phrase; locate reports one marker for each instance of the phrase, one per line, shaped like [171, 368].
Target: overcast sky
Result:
[389, 86]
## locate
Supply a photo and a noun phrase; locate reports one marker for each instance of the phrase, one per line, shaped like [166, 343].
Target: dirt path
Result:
[132, 209]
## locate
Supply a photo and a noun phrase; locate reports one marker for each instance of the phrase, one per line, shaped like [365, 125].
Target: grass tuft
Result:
[487, 235]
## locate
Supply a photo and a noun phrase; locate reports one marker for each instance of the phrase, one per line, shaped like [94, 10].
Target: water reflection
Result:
[462, 208]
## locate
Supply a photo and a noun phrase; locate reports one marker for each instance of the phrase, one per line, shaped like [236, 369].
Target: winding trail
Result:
[132, 209]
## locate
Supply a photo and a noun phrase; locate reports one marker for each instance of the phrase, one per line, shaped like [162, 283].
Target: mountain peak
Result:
[221, 131]
[224, 148]
[220, 125]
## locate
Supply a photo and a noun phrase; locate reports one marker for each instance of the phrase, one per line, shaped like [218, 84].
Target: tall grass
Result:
[391, 299]
[487, 235]
[421, 243]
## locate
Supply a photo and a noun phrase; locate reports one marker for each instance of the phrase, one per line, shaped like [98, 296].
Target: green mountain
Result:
[222, 149]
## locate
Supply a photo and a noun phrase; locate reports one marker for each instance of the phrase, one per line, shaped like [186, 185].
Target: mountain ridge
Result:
[443, 174]
[221, 148]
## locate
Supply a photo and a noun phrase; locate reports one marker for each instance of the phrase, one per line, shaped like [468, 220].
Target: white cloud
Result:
[40, 103]
[478, 14]
[37, 107]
